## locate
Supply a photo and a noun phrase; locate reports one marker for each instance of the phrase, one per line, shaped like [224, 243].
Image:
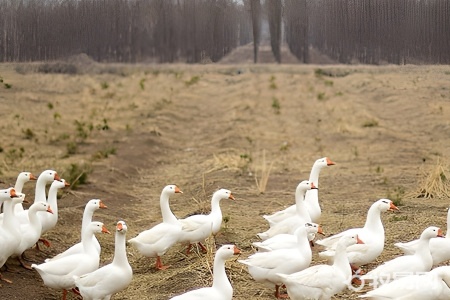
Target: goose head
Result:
[40, 206]
[7, 194]
[121, 227]
[431, 232]
[350, 239]
[171, 189]
[227, 251]
[224, 194]
[49, 176]
[59, 184]
[313, 228]
[25, 177]
[95, 204]
[305, 185]
[323, 162]
[97, 227]
[385, 205]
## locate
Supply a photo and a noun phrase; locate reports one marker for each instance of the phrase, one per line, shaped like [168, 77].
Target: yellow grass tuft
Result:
[436, 184]
[261, 183]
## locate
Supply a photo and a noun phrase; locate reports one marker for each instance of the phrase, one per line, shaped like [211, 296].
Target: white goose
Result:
[89, 210]
[265, 266]
[31, 232]
[420, 261]
[46, 177]
[109, 279]
[155, 241]
[311, 198]
[290, 224]
[196, 228]
[433, 285]
[440, 248]
[372, 234]
[281, 241]
[58, 274]
[23, 178]
[8, 230]
[321, 282]
[49, 221]
[221, 288]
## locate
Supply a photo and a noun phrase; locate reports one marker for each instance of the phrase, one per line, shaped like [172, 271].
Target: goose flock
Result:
[283, 259]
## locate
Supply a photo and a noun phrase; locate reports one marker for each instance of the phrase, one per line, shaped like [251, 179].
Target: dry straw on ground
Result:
[436, 184]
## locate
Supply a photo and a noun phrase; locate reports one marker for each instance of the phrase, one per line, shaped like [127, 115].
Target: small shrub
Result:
[370, 123]
[276, 105]
[142, 83]
[7, 85]
[77, 174]
[104, 85]
[321, 96]
[72, 148]
[193, 80]
[50, 105]
[105, 153]
[29, 134]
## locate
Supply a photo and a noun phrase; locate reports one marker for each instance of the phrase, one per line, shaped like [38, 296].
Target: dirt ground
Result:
[204, 127]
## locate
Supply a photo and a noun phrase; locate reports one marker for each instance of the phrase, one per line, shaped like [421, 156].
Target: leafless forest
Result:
[349, 31]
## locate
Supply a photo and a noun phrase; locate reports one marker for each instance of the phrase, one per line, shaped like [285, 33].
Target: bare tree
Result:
[274, 15]
[256, 22]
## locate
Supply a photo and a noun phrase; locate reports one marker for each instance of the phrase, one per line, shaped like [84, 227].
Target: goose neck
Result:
[40, 190]
[373, 221]
[52, 199]
[220, 280]
[314, 175]
[300, 205]
[87, 241]
[341, 258]
[120, 252]
[18, 187]
[87, 219]
[167, 215]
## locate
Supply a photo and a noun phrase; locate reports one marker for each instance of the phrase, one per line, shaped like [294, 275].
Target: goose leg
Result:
[204, 250]
[188, 249]
[278, 295]
[159, 264]
[23, 264]
[64, 294]
[4, 279]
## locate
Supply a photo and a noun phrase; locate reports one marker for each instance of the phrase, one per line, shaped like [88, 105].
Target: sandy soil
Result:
[208, 127]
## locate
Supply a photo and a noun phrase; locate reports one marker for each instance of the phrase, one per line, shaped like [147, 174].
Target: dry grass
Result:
[436, 184]
[261, 183]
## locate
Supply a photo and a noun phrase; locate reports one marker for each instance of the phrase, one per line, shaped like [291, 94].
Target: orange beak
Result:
[358, 241]
[392, 207]
[231, 197]
[330, 162]
[119, 227]
[32, 177]
[440, 233]
[57, 177]
[104, 230]
[236, 250]
[102, 205]
[49, 209]
[12, 193]
[313, 187]
[319, 230]
[177, 190]
[66, 184]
